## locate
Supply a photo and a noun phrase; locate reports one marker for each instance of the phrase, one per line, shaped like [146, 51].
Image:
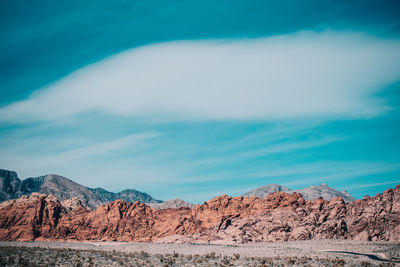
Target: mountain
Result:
[264, 191]
[129, 195]
[9, 185]
[324, 191]
[309, 193]
[222, 220]
[60, 187]
[63, 188]
[172, 204]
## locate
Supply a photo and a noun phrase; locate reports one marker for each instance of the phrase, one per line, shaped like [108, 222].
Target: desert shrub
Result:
[365, 263]
[291, 261]
[225, 260]
[236, 256]
[211, 255]
[167, 261]
[144, 254]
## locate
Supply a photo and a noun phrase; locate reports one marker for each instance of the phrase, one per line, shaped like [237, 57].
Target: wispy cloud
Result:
[81, 158]
[268, 145]
[392, 182]
[107, 146]
[290, 147]
[339, 171]
[302, 174]
[288, 76]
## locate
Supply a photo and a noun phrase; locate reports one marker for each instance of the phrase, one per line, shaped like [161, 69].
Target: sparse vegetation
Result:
[35, 256]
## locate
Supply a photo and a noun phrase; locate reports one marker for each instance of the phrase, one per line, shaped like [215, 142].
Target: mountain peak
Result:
[172, 204]
[263, 191]
[309, 193]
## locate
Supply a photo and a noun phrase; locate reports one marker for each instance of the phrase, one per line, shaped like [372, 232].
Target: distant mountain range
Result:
[308, 193]
[11, 187]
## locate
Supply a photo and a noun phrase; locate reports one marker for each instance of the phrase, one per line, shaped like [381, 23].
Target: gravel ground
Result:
[300, 253]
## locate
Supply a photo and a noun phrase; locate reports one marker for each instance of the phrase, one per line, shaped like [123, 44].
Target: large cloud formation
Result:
[297, 75]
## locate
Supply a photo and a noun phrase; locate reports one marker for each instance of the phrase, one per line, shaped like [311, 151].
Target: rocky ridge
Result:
[222, 220]
[62, 188]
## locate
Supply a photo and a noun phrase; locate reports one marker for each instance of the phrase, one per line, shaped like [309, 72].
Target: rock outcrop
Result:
[309, 193]
[74, 204]
[278, 217]
[62, 188]
[30, 218]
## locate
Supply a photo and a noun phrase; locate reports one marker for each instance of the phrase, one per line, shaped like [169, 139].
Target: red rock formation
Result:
[30, 218]
[278, 217]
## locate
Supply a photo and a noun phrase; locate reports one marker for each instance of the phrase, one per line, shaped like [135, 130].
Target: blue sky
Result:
[192, 99]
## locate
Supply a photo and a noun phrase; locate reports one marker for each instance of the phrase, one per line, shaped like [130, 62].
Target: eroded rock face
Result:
[226, 220]
[74, 205]
[375, 218]
[30, 218]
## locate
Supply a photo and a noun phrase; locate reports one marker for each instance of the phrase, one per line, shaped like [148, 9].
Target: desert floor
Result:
[300, 253]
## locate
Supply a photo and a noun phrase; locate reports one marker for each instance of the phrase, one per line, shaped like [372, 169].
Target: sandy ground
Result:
[354, 252]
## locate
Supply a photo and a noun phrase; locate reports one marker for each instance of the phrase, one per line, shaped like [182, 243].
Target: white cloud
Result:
[288, 76]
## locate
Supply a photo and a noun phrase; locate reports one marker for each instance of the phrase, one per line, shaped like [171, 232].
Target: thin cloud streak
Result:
[289, 147]
[393, 182]
[232, 154]
[309, 173]
[105, 147]
[78, 157]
